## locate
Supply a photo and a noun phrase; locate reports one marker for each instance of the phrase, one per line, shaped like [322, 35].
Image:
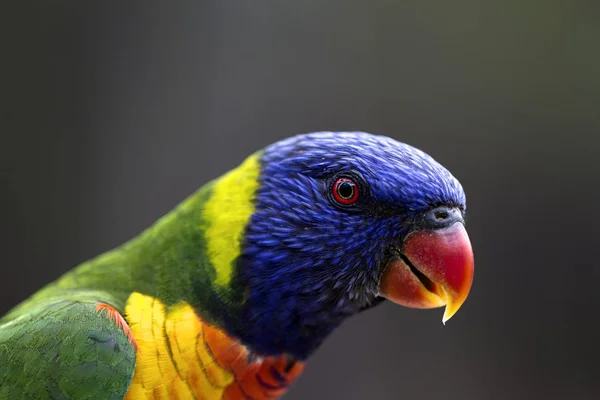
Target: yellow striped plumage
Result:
[182, 357]
[171, 363]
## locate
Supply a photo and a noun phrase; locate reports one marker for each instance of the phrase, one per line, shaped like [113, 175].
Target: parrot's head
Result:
[341, 221]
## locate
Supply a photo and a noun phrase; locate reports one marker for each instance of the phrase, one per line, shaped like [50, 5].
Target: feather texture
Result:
[184, 357]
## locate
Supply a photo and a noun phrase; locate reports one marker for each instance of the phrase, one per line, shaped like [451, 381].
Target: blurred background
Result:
[113, 112]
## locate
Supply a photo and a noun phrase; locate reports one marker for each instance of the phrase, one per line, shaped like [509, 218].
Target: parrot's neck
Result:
[188, 256]
[194, 255]
[169, 261]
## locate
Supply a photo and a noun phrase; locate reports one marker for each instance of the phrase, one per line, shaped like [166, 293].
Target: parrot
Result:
[228, 295]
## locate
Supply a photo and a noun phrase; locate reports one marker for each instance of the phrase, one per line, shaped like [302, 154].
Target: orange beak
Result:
[435, 269]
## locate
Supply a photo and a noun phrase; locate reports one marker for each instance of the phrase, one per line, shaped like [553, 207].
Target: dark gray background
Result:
[112, 113]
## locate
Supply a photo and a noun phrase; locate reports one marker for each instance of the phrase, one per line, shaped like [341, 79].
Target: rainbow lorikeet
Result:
[226, 296]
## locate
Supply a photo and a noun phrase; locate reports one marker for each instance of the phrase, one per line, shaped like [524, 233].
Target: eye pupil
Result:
[345, 191]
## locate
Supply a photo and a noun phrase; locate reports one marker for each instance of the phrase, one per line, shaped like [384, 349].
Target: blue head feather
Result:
[308, 263]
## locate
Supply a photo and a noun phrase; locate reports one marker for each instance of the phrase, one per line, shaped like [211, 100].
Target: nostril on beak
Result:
[441, 217]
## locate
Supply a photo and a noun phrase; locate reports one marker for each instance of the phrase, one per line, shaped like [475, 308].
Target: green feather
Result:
[64, 349]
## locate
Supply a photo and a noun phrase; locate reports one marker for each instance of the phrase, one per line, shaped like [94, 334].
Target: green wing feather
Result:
[60, 347]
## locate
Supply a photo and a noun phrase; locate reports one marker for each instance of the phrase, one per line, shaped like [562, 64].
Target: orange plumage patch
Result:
[118, 319]
[268, 378]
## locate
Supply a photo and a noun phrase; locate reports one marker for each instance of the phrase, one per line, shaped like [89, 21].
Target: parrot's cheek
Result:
[435, 268]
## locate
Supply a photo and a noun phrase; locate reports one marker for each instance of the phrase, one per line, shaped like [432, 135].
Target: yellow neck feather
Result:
[227, 213]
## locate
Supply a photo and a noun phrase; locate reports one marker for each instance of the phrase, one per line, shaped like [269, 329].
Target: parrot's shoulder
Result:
[65, 348]
[182, 355]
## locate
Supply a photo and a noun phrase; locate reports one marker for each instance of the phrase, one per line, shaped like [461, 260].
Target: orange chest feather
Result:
[182, 357]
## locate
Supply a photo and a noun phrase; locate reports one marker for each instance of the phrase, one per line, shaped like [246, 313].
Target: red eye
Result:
[345, 191]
